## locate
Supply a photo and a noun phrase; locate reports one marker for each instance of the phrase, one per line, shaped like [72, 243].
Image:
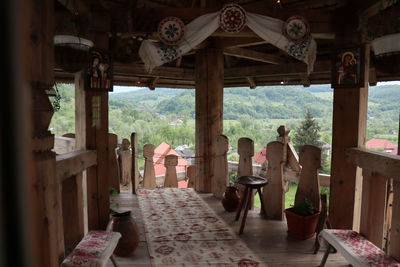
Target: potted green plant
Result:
[302, 220]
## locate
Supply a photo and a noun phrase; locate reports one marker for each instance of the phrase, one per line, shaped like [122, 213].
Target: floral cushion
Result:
[94, 249]
[357, 249]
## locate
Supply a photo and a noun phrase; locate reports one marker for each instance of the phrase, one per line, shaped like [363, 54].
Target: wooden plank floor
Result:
[267, 239]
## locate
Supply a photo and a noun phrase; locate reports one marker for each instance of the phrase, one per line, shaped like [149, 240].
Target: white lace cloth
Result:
[267, 28]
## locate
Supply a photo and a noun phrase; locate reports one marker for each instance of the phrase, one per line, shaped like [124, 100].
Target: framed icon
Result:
[348, 67]
[99, 75]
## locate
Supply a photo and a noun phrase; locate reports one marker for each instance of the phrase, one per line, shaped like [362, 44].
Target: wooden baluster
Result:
[394, 246]
[125, 162]
[149, 177]
[310, 160]
[170, 163]
[373, 203]
[72, 205]
[135, 168]
[274, 192]
[245, 167]
[220, 178]
[191, 174]
[113, 168]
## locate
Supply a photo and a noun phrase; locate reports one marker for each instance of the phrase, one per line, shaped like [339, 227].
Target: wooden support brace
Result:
[135, 167]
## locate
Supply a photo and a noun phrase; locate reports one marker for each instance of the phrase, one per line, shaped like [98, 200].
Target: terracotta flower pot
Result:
[124, 224]
[231, 199]
[301, 227]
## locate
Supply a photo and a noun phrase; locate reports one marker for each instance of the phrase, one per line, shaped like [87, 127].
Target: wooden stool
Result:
[250, 183]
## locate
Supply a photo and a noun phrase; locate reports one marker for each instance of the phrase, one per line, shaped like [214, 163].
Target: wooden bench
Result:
[94, 250]
[356, 249]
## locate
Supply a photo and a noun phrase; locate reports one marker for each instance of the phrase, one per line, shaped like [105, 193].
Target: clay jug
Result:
[124, 224]
[231, 199]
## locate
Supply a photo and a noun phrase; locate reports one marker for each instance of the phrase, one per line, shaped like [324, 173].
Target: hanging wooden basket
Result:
[71, 53]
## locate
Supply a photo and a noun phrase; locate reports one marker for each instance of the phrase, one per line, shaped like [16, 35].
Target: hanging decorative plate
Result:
[232, 18]
[171, 30]
[296, 28]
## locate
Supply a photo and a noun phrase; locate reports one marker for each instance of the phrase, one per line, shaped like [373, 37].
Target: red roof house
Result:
[375, 143]
[159, 155]
[261, 156]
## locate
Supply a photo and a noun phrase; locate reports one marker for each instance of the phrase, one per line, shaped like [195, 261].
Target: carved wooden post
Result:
[149, 178]
[310, 160]
[135, 168]
[246, 152]
[290, 156]
[113, 168]
[191, 174]
[373, 203]
[125, 162]
[394, 246]
[274, 193]
[220, 178]
[170, 162]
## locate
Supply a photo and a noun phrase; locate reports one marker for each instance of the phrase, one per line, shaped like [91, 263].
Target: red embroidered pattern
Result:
[364, 249]
[91, 248]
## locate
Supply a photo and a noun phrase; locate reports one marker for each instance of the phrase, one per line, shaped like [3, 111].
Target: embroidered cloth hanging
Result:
[267, 28]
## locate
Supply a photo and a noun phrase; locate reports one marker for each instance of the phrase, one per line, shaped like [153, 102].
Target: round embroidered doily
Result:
[171, 30]
[232, 18]
[296, 29]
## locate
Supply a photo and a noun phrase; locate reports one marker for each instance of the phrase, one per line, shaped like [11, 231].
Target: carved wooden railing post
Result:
[135, 168]
[113, 168]
[373, 207]
[149, 177]
[191, 174]
[274, 192]
[220, 178]
[394, 246]
[170, 163]
[125, 162]
[245, 167]
[310, 160]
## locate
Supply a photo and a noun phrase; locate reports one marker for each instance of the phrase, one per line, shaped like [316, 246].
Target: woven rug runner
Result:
[182, 230]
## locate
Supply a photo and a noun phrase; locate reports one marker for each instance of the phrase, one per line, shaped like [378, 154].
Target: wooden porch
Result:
[43, 214]
[266, 238]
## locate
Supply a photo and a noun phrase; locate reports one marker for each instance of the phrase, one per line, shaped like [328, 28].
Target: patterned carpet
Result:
[182, 230]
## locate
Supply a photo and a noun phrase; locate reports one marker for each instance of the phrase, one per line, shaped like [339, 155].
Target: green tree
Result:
[307, 133]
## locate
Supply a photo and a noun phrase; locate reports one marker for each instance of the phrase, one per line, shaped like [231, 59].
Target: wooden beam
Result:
[162, 71]
[375, 9]
[273, 70]
[251, 82]
[230, 42]
[71, 164]
[394, 246]
[379, 162]
[252, 55]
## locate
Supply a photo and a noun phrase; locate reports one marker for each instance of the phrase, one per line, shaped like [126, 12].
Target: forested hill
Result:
[275, 102]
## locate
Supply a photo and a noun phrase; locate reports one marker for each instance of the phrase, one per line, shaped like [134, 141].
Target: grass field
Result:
[289, 196]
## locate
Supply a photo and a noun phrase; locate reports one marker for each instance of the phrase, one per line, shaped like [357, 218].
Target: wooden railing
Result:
[69, 177]
[380, 201]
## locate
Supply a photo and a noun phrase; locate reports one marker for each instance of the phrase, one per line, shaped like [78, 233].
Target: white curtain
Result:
[267, 28]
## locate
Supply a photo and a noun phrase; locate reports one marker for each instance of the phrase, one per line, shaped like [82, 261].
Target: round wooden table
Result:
[250, 183]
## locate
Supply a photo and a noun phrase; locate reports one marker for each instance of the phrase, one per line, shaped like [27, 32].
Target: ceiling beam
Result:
[252, 55]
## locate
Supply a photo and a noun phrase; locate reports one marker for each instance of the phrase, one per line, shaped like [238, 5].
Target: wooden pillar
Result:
[348, 130]
[394, 246]
[91, 115]
[209, 77]
[43, 190]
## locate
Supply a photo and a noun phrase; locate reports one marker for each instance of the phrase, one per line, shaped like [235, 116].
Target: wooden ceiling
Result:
[249, 60]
